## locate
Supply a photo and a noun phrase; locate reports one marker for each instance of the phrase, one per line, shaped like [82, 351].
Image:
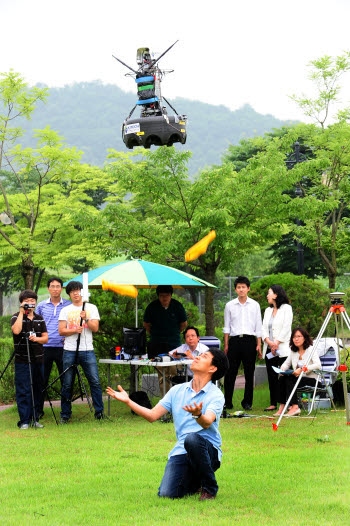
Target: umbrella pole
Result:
[136, 321]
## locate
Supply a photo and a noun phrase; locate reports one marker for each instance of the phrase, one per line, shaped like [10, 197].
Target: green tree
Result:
[157, 212]
[325, 185]
[40, 189]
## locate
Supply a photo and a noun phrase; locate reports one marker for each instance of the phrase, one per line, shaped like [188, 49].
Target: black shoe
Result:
[64, 421]
[229, 406]
[99, 416]
[245, 406]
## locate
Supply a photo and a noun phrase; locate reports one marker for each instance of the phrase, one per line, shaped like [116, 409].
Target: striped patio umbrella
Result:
[142, 274]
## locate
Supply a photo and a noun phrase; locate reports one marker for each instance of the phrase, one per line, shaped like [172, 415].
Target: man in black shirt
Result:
[165, 319]
[29, 370]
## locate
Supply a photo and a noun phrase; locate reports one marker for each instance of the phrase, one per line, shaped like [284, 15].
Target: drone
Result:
[154, 126]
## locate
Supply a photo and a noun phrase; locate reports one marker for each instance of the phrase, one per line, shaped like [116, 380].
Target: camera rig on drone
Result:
[154, 126]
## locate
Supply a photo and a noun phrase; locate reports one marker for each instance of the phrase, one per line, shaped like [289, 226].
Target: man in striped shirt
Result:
[50, 310]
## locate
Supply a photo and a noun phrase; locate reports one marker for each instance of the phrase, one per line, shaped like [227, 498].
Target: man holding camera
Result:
[29, 335]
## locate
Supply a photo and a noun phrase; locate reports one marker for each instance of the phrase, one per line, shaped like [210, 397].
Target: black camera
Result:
[28, 306]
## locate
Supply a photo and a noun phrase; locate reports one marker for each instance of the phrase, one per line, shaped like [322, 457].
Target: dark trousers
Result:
[272, 377]
[286, 385]
[240, 350]
[52, 355]
[24, 393]
[185, 474]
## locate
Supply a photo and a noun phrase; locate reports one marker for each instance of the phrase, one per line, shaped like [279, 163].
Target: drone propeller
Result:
[154, 61]
[124, 64]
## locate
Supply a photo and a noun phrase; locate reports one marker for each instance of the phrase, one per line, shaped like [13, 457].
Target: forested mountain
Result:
[89, 116]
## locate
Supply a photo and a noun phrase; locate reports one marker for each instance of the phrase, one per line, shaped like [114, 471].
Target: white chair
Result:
[326, 377]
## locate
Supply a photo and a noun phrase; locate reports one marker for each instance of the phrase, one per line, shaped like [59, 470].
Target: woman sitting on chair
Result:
[301, 349]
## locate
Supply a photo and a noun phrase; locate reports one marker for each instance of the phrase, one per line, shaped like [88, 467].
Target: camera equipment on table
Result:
[134, 341]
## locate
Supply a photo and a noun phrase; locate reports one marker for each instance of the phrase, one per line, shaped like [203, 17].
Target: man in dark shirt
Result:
[165, 319]
[29, 370]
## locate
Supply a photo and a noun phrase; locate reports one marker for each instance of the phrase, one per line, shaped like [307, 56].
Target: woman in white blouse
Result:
[301, 349]
[277, 327]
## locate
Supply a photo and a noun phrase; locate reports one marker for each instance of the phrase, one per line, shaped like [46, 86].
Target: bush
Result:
[309, 300]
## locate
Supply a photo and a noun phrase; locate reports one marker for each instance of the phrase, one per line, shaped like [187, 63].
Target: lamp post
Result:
[296, 157]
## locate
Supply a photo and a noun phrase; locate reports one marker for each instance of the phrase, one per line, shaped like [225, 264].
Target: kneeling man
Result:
[196, 407]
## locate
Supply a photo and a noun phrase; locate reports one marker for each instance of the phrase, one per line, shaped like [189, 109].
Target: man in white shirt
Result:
[69, 326]
[242, 337]
[191, 348]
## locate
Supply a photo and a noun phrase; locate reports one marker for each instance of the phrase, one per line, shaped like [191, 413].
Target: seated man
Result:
[196, 407]
[190, 349]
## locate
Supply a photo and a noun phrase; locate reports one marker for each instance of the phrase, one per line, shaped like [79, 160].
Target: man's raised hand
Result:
[122, 395]
[194, 409]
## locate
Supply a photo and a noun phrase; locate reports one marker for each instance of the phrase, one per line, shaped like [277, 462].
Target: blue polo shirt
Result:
[183, 394]
[50, 313]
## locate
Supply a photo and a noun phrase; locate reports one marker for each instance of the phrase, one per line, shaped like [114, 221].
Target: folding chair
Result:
[326, 377]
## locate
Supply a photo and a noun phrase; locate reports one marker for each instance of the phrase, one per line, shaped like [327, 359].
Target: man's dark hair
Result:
[307, 343]
[49, 281]
[242, 279]
[281, 295]
[28, 294]
[73, 285]
[188, 329]
[165, 289]
[220, 361]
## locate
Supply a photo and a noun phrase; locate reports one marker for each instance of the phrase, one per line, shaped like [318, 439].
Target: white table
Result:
[138, 363]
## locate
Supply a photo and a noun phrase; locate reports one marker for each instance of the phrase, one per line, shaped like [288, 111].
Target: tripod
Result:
[25, 335]
[8, 363]
[76, 372]
[338, 312]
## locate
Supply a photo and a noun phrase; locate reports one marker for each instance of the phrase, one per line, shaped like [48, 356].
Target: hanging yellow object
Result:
[200, 248]
[123, 290]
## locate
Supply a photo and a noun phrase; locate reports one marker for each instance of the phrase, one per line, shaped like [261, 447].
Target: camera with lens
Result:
[28, 306]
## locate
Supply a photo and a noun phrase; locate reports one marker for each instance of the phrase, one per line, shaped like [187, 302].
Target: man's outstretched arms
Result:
[148, 414]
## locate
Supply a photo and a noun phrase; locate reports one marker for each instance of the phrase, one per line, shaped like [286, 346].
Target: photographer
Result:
[28, 327]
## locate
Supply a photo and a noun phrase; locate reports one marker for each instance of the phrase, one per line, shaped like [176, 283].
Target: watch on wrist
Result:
[197, 416]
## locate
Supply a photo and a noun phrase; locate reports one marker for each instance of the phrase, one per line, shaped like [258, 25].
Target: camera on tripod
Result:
[337, 298]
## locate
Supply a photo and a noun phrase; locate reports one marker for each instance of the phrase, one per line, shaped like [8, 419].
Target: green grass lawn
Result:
[102, 473]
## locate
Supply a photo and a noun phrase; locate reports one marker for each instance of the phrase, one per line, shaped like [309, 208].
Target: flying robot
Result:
[154, 126]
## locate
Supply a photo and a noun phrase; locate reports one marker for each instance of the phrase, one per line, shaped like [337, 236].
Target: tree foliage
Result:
[40, 187]
[157, 212]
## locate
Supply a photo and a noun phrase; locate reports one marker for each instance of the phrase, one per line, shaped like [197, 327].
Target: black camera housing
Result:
[27, 306]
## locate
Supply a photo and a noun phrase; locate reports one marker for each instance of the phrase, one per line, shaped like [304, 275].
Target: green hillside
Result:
[89, 115]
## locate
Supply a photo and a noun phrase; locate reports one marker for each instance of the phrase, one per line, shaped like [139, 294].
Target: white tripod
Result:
[338, 311]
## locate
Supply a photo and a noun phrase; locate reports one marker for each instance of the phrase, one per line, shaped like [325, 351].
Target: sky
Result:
[229, 53]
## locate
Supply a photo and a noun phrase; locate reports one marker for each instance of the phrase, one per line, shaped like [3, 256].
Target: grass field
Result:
[108, 473]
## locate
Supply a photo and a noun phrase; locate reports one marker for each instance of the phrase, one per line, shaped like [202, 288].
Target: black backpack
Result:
[141, 398]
